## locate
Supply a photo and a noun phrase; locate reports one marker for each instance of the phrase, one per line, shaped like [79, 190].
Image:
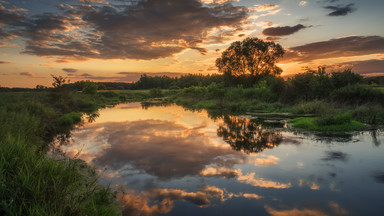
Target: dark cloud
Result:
[86, 75]
[370, 67]
[340, 10]
[4, 62]
[141, 144]
[9, 16]
[339, 47]
[69, 70]
[29, 74]
[4, 34]
[282, 31]
[144, 30]
[272, 38]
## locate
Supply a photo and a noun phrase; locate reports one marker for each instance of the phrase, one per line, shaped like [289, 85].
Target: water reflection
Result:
[247, 135]
[173, 161]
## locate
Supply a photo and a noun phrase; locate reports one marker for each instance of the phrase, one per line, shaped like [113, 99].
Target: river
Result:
[166, 160]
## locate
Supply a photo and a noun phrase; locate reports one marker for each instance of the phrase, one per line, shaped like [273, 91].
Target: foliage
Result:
[314, 107]
[30, 182]
[345, 78]
[90, 88]
[252, 58]
[59, 81]
[358, 94]
[156, 92]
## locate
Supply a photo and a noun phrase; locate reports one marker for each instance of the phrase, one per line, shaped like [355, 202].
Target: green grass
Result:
[30, 182]
[312, 124]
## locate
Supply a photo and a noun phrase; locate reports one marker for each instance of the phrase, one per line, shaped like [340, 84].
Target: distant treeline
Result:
[185, 81]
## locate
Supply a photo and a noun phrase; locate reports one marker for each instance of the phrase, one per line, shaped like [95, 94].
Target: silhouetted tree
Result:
[58, 81]
[251, 58]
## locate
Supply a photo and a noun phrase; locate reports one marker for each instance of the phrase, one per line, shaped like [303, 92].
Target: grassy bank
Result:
[32, 183]
[356, 104]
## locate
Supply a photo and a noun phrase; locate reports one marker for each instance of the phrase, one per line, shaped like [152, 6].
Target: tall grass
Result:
[30, 182]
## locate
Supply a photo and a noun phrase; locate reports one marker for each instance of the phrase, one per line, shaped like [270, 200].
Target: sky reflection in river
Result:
[177, 162]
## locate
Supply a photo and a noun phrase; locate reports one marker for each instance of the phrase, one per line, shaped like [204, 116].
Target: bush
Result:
[70, 119]
[195, 91]
[215, 91]
[357, 95]
[338, 119]
[90, 88]
[314, 107]
[156, 92]
[345, 78]
[369, 114]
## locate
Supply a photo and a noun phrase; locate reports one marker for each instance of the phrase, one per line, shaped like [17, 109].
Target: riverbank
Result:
[32, 183]
[345, 111]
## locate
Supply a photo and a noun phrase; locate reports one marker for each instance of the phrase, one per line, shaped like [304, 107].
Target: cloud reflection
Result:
[161, 200]
[160, 148]
[260, 182]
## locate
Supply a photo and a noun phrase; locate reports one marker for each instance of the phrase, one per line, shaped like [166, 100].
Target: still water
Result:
[171, 161]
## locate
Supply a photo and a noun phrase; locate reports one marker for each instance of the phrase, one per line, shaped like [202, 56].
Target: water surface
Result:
[171, 161]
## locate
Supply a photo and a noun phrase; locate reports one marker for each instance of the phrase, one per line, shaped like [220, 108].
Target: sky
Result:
[118, 40]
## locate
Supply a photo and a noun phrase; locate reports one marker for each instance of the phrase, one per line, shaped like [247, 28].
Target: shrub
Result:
[345, 78]
[90, 87]
[338, 119]
[216, 91]
[357, 95]
[155, 92]
[314, 107]
[195, 91]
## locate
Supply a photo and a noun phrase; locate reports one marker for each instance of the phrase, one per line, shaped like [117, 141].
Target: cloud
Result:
[217, 1]
[266, 7]
[339, 47]
[10, 16]
[5, 62]
[93, 1]
[143, 30]
[29, 74]
[372, 67]
[272, 38]
[188, 151]
[251, 180]
[340, 10]
[282, 31]
[69, 70]
[303, 3]
[86, 75]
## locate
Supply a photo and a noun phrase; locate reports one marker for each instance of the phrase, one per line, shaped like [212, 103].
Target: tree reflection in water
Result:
[248, 135]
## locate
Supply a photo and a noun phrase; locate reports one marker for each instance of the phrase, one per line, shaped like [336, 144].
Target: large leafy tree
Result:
[252, 57]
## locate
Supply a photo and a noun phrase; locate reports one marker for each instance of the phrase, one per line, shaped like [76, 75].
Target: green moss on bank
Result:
[311, 123]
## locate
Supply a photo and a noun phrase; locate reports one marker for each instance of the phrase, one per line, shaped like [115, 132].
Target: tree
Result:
[251, 58]
[58, 81]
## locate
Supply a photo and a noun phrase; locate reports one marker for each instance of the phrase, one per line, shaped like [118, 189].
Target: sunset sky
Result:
[117, 40]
